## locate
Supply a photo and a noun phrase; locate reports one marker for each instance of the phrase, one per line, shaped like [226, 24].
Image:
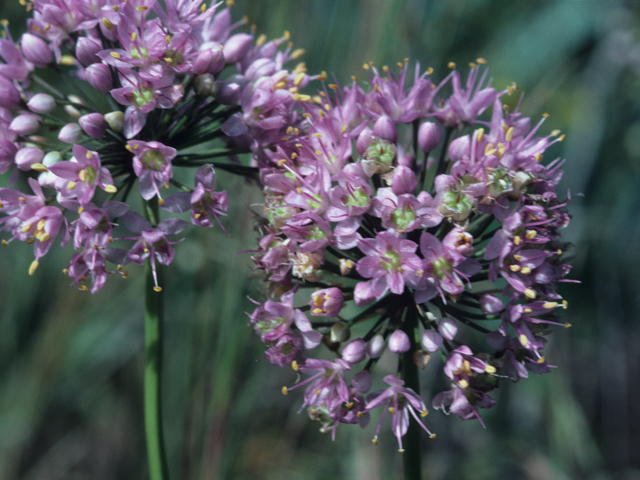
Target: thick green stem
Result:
[158, 468]
[412, 455]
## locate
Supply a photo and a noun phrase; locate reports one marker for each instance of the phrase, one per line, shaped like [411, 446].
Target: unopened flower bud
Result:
[203, 85]
[72, 111]
[87, 50]
[355, 351]
[399, 342]
[227, 93]
[364, 140]
[115, 120]
[70, 133]
[8, 151]
[376, 346]
[490, 304]
[209, 61]
[27, 156]
[99, 77]
[404, 181]
[431, 341]
[428, 136]
[236, 47]
[25, 124]
[9, 95]
[448, 328]
[93, 124]
[326, 302]
[340, 332]
[421, 359]
[36, 50]
[386, 129]
[459, 148]
[42, 103]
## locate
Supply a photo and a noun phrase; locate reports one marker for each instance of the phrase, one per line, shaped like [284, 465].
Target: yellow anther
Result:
[66, 60]
[500, 150]
[327, 107]
[115, 55]
[401, 450]
[374, 441]
[80, 210]
[230, 3]
[84, 288]
[545, 115]
[261, 40]
[531, 234]
[365, 66]
[33, 266]
[40, 224]
[490, 369]
[107, 24]
[562, 137]
[516, 240]
[299, 79]
[293, 155]
[285, 390]
[530, 293]
[282, 161]
[115, 8]
[472, 65]
[286, 35]
[294, 365]
[509, 135]
[25, 228]
[524, 341]
[157, 289]
[343, 129]
[359, 414]
[39, 167]
[463, 383]
[514, 268]
[82, 175]
[479, 134]
[119, 268]
[527, 310]
[317, 311]
[429, 71]
[466, 366]
[555, 133]
[538, 157]
[451, 65]
[433, 435]
[540, 360]
[134, 35]
[301, 98]
[481, 60]
[565, 304]
[424, 413]
[289, 130]
[279, 85]
[489, 150]
[505, 127]
[65, 271]
[297, 53]
[125, 274]
[4, 242]
[319, 153]
[550, 305]
[30, 241]
[323, 76]
[567, 325]
[110, 240]
[168, 39]
[128, 147]
[392, 410]
[168, 59]
[142, 8]
[161, 201]
[317, 392]
[525, 270]
[318, 135]
[510, 90]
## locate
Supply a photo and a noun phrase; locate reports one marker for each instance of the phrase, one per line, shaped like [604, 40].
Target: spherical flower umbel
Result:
[155, 63]
[426, 248]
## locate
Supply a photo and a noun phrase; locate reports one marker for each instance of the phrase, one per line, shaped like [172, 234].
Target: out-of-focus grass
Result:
[71, 363]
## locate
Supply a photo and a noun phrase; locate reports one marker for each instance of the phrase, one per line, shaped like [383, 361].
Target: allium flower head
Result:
[427, 247]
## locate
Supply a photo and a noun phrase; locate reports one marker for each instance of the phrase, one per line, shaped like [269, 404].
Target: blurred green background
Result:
[71, 363]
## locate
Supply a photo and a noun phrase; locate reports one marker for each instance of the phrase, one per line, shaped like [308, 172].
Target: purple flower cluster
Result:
[437, 214]
[153, 86]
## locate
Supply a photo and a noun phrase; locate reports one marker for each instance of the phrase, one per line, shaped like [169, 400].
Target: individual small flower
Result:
[70, 133]
[152, 165]
[355, 351]
[400, 402]
[83, 175]
[431, 341]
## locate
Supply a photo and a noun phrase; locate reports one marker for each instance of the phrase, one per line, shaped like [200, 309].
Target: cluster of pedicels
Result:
[141, 87]
[437, 214]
